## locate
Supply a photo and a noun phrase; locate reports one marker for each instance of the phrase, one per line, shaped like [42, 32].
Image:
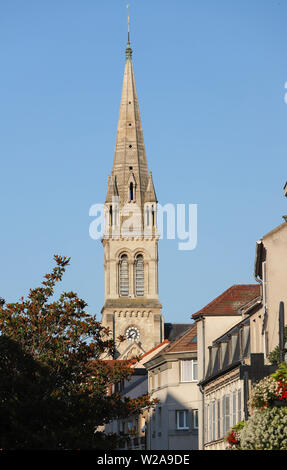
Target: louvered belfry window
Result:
[139, 275]
[124, 276]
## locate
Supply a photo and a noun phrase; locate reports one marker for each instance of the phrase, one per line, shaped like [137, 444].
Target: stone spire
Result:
[130, 164]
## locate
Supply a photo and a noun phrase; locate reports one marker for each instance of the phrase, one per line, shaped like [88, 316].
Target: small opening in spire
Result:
[131, 191]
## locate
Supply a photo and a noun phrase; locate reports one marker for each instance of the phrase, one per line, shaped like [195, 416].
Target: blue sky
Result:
[210, 77]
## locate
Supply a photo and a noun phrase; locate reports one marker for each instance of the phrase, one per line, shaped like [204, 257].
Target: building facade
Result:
[213, 321]
[172, 380]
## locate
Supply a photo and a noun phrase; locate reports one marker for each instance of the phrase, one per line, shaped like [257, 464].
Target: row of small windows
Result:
[149, 212]
[220, 415]
[124, 281]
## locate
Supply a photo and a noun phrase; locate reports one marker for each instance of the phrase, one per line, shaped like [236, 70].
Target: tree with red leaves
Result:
[53, 380]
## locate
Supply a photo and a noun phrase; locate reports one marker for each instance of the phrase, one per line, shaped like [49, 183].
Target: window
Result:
[181, 419]
[124, 276]
[139, 275]
[188, 370]
[111, 215]
[159, 417]
[195, 419]
[226, 414]
[147, 215]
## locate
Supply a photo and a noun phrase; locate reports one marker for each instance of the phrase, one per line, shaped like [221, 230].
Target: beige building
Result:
[172, 378]
[271, 272]
[213, 321]
[135, 426]
[132, 308]
[232, 362]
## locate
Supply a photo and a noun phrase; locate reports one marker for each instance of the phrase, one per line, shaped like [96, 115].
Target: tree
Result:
[53, 379]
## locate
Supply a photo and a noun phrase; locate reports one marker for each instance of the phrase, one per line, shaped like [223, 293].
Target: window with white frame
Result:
[195, 419]
[226, 414]
[182, 419]
[188, 371]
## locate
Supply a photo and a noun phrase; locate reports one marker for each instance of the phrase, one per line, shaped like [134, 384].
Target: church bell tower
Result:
[130, 241]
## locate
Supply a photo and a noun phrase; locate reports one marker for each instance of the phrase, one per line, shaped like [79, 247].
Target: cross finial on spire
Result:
[128, 49]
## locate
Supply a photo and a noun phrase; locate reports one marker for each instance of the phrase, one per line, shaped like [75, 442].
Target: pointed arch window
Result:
[124, 276]
[153, 216]
[139, 265]
[111, 216]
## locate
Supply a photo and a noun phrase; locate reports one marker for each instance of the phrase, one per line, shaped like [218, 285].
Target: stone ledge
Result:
[131, 303]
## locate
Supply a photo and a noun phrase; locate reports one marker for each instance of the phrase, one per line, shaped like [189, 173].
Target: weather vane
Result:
[128, 7]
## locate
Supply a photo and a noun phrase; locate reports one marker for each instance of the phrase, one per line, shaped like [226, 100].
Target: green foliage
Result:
[233, 436]
[281, 373]
[53, 381]
[265, 430]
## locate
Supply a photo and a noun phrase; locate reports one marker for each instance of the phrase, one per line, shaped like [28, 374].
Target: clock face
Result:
[132, 333]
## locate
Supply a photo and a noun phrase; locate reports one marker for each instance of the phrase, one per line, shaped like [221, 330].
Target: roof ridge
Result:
[166, 341]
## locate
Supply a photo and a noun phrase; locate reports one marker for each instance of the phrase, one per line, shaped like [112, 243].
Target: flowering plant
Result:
[233, 436]
[263, 393]
[265, 430]
[270, 389]
[281, 378]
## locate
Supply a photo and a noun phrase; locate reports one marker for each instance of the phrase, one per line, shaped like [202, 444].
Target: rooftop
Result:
[230, 301]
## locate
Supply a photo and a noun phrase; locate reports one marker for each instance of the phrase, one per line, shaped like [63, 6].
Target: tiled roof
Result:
[186, 343]
[172, 331]
[230, 301]
[166, 341]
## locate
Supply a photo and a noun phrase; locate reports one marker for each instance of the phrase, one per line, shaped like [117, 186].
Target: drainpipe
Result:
[200, 387]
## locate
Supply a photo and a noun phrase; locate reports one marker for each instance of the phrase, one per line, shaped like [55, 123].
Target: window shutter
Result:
[239, 406]
[227, 413]
[233, 408]
[218, 420]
